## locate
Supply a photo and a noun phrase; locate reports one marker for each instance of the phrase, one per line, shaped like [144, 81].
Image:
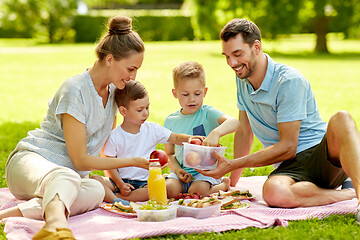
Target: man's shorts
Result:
[198, 177]
[135, 183]
[313, 165]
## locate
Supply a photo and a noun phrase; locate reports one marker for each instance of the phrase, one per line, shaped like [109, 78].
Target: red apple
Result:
[196, 141]
[210, 161]
[161, 155]
[193, 159]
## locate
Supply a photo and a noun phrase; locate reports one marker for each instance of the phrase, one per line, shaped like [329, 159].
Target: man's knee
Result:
[278, 194]
[342, 122]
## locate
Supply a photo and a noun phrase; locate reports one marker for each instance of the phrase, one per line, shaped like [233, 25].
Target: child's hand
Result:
[196, 137]
[212, 140]
[184, 176]
[125, 189]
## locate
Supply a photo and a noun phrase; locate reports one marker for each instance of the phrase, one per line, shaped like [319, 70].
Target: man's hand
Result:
[223, 166]
[184, 176]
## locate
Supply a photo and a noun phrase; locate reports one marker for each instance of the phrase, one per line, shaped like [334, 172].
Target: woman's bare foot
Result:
[10, 212]
[55, 215]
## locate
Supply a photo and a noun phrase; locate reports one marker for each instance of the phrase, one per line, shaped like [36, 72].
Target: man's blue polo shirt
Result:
[284, 96]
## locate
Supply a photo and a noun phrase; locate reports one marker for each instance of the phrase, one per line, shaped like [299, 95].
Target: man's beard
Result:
[250, 70]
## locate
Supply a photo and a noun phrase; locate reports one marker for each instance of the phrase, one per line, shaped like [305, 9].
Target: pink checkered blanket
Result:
[103, 224]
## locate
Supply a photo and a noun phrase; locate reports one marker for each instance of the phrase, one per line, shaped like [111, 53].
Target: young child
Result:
[194, 118]
[134, 137]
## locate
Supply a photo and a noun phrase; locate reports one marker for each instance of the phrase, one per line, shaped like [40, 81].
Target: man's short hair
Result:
[248, 30]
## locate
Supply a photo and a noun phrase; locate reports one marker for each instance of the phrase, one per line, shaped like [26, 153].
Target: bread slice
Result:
[123, 208]
[235, 193]
[227, 202]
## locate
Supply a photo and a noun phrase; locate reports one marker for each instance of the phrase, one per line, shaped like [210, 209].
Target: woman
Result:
[50, 166]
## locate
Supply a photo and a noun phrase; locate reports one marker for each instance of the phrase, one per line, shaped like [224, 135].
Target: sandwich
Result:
[125, 208]
[230, 203]
[196, 203]
[237, 193]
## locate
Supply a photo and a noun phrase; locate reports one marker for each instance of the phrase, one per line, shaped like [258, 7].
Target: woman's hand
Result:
[140, 162]
[224, 166]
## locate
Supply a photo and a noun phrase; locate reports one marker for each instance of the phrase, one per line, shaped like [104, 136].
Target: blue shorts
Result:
[198, 177]
[135, 183]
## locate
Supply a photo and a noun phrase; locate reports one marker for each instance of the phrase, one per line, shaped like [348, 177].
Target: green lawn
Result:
[30, 75]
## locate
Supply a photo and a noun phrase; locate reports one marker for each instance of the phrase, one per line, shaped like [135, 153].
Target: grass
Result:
[30, 75]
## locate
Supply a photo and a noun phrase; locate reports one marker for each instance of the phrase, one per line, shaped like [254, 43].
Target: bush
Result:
[164, 28]
[89, 28]
[150, 28]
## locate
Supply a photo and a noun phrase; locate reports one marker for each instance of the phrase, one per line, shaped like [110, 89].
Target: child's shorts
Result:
[198, 177]
[135, 183]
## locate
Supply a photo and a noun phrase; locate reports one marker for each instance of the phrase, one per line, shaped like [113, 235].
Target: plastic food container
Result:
[201, 157]
[184, 211]
[157, 215]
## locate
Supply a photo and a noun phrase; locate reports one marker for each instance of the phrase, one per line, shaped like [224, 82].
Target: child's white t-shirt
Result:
[122, 144]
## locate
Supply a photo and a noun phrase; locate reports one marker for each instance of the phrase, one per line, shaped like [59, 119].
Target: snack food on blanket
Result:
[236, 193]
[200, 203]
[124, 208]
[153, 205]
[230, 202]
[188, 196]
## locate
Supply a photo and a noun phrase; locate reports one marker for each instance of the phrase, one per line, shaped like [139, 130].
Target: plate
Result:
[107, 206]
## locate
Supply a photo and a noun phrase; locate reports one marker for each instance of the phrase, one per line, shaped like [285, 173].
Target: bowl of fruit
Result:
[155, 212]
[201, 157]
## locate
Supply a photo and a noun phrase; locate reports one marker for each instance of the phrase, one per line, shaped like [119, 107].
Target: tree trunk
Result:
[321, 29]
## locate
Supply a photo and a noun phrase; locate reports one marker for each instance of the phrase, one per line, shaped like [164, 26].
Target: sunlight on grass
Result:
[31, 73]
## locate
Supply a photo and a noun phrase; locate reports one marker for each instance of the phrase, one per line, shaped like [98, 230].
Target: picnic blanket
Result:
[103, 224]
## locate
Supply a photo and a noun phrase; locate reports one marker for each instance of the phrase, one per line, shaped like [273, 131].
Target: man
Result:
[276, 104]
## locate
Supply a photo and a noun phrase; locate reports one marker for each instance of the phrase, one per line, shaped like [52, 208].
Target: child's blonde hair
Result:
[188, 70]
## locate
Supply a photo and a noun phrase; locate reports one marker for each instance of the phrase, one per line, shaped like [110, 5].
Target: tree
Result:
[36, 17]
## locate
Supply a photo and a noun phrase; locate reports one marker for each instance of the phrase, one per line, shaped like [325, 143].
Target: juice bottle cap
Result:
[154, 160]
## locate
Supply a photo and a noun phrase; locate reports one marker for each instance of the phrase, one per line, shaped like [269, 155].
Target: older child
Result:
[194, 118]
[134, 137]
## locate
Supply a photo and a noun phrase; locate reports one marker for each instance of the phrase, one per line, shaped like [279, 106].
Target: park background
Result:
[43, 42]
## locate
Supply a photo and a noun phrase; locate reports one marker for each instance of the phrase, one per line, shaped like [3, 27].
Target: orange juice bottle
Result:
[156, 183]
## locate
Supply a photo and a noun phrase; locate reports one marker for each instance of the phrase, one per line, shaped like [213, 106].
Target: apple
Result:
[210, 161]
[196, 141]
[161, 155]
[193, 159]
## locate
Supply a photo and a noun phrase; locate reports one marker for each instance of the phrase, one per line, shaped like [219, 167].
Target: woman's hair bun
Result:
[120, 25]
